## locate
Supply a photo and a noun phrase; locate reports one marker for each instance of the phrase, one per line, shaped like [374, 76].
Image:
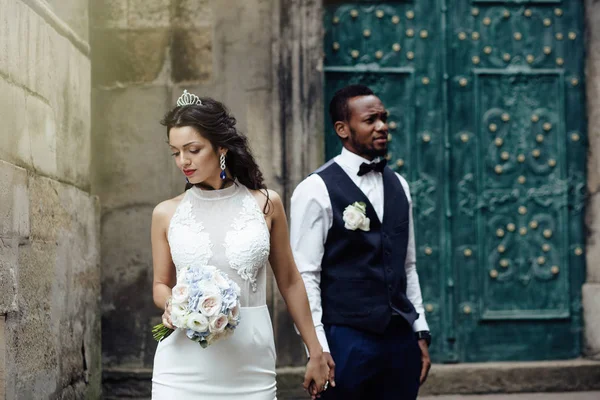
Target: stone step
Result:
[479, 378]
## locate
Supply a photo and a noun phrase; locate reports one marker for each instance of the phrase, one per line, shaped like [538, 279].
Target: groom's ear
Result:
[342, 129]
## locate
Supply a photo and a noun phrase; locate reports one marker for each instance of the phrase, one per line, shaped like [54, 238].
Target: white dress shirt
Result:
[311, 219]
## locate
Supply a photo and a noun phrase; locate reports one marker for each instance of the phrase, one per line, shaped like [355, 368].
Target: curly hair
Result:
[213, 121]
[338, 107]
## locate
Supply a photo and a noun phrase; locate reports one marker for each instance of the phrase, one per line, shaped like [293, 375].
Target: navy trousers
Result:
[374, 367]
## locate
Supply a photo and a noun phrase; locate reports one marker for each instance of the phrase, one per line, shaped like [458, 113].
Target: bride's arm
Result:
[164, 269]
[291, 285]
[288, 278]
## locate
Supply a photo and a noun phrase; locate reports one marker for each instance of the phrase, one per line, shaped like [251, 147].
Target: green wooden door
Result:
[487, 124]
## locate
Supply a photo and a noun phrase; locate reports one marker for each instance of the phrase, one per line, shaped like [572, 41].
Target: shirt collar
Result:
[352, 160]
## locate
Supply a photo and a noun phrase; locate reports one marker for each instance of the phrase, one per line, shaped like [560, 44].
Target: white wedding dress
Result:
[227, 229]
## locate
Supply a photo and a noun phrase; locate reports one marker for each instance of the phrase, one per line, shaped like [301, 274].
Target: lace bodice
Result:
[225, 228]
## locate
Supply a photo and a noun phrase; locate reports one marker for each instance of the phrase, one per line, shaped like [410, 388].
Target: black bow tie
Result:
[375, 166]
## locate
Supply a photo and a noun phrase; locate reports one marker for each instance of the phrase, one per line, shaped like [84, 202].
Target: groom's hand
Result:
[425, 360]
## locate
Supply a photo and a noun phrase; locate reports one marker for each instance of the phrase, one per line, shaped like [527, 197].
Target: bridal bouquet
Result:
[205, 304]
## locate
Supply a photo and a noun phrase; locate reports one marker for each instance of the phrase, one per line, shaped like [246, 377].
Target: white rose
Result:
[197, 322]
[218, 323]
[180, 294]
[179, 315]
[365, 226]
[354, 218]
[210, 305]
[220, 280]
[208, 288]
[234, 315]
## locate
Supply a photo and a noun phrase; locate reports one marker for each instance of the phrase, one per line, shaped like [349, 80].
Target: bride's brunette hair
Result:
[212, 120]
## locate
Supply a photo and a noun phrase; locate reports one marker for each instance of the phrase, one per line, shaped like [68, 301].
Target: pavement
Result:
[521, 396]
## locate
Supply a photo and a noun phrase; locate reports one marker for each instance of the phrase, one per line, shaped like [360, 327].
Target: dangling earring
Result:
[222, 161]
[187, 180]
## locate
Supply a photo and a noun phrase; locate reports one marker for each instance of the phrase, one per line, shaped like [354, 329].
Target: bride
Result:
[229, 219]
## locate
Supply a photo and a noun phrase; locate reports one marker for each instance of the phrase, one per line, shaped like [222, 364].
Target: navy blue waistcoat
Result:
[363, 280]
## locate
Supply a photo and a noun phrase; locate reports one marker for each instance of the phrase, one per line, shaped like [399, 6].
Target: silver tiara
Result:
[187, 99]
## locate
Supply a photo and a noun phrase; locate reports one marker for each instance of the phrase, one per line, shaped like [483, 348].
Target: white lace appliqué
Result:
[190, 246]
[247, 245]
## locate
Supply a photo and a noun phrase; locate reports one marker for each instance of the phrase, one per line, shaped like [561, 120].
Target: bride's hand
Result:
[166, 317]
[317, 374]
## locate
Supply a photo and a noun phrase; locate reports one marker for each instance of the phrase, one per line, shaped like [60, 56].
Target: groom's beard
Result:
[364, 149]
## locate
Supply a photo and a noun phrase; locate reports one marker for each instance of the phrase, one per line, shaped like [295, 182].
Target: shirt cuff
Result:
[322, 340]
[420, 325]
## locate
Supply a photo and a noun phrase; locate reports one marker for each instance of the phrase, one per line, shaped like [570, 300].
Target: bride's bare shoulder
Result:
[165, 210]
[267, 199]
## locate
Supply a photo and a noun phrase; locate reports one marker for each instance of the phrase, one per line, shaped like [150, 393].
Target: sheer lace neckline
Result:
[216, 194]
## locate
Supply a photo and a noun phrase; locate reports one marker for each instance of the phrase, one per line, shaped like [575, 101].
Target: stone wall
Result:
[143, 59]
[49, 237]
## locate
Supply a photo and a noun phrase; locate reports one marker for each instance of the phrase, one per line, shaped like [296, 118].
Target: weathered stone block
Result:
[121, 57]
[26, 41]
[15, 146]
[49, 218]
[43, 123]
[42, 130]
[31, 134]
[34, 327]
[14, 201]
[58, 209]
[132, 162]
[74, 13]
[9, 269]
[191, 55]
[149, 14]
[108, 14]
[192, 13]
[13, 22]
[73, 107]
[591, 316]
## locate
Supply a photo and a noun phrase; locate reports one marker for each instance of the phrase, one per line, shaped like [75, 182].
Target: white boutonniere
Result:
[355, 217]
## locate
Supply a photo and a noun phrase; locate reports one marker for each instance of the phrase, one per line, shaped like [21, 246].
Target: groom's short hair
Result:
[338, 107]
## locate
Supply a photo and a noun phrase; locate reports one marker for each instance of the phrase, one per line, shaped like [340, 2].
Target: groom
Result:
[352, 237]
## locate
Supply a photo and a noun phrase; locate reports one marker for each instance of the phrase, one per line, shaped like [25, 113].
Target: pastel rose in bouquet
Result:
[204, 304]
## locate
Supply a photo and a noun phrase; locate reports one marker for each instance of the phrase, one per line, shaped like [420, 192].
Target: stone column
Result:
[298, 117]
[49, 247]
[591, 289]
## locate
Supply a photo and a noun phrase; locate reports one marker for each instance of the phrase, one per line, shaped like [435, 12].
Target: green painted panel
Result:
[487, 124]
[516, 114]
